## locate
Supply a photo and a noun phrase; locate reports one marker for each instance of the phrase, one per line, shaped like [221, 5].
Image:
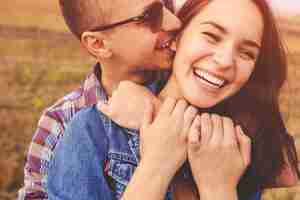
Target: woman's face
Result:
[217, 51]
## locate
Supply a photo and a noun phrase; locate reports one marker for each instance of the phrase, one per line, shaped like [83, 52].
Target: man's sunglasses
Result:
[152, 16]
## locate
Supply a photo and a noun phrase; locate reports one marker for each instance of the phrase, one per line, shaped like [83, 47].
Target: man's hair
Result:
[81, 15]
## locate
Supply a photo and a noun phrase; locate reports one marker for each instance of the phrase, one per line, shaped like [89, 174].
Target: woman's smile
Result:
[209, 78]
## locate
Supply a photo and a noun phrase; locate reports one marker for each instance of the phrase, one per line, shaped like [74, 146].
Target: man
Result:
[129, 39]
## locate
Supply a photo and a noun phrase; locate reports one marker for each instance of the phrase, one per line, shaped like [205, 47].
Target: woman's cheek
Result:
[194, 51]
[246, 69]
[244, 72]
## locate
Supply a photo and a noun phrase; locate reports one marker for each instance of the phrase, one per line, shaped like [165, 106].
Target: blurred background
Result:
[40, 61]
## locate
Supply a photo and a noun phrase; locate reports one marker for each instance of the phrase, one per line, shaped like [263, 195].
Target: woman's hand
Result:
[127, 103]
[219, 154]
[163, 149]
[164, 139]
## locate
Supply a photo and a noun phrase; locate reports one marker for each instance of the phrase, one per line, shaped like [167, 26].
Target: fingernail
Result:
[241, 130]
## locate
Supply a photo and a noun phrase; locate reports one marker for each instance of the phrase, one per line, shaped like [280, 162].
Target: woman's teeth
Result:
[209, 78]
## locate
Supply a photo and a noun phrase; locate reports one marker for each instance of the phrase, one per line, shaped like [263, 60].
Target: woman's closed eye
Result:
[248, 55]
[211, 37]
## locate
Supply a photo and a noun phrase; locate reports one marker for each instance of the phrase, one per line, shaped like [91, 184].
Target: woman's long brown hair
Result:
[256, 106]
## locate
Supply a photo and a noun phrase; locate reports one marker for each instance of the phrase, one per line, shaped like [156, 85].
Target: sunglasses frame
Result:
[140, 18]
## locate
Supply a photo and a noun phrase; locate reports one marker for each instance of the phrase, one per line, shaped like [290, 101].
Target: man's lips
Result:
[166, 44]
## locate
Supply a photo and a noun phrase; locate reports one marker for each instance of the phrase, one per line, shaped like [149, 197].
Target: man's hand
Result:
[127, 103]
[163, 147]
[164, 140]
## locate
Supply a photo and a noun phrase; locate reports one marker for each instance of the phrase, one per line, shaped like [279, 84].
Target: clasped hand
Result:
[218, 150]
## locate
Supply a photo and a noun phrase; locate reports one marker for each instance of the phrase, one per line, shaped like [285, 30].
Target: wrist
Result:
[155, 189]
[217, 193]
[157, 169]
[159, 175]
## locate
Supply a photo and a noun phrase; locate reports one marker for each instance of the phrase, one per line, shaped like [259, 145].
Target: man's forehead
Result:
[123, 9]
[167, 3]
[127, 8]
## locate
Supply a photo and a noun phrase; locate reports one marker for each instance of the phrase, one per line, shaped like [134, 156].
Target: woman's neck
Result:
[171, 89]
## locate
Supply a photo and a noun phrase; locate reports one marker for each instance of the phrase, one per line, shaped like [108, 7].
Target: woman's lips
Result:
[209, 79]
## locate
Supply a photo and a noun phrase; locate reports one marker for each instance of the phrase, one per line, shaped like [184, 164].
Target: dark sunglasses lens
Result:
[154, 16]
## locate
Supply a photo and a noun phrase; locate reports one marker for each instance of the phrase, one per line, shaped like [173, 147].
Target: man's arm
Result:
[76, 169]
[40, 150]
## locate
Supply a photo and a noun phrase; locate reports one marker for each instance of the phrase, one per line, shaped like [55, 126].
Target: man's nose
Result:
[170, 21]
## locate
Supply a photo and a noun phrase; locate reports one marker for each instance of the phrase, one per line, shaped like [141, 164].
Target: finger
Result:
[167, 106]
[104, 107]
[179, 109]
[194, 135]
[245, 145]
[148, 115]
[111, 99]
[217, 133]
[229, 132]
[124, 84]
[188, 118]
[206, 128]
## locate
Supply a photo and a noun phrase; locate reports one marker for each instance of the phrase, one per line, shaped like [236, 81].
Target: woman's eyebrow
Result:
[217, 26]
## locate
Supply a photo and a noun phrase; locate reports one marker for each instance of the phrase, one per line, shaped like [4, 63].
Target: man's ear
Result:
[96, 44]
[174, 44]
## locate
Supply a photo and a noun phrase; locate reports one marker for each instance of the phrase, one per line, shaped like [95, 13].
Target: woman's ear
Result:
[96, 45]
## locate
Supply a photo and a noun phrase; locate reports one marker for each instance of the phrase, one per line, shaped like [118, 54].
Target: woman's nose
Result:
[224, 57]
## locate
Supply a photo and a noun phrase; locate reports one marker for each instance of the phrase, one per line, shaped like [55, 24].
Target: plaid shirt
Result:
[50, 128]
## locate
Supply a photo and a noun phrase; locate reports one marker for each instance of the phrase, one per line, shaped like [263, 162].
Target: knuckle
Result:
[227, 120]
[182, 102]
[192, 109]
[248, 140]
[215, 117]
[123, 84]
[169, 100]
[205, 115]
[198, 119]
[191, 113]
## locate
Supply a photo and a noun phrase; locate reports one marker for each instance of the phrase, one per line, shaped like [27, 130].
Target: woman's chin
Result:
[202, 102]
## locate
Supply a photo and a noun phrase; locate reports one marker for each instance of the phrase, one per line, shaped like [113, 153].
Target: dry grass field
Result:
[40, 62]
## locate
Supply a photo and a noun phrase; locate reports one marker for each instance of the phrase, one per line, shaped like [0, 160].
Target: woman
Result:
[232, 64]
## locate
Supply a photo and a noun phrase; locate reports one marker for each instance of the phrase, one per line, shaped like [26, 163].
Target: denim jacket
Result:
[77, 170]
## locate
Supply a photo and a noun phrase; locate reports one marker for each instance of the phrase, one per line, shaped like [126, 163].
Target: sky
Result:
[290, 7]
